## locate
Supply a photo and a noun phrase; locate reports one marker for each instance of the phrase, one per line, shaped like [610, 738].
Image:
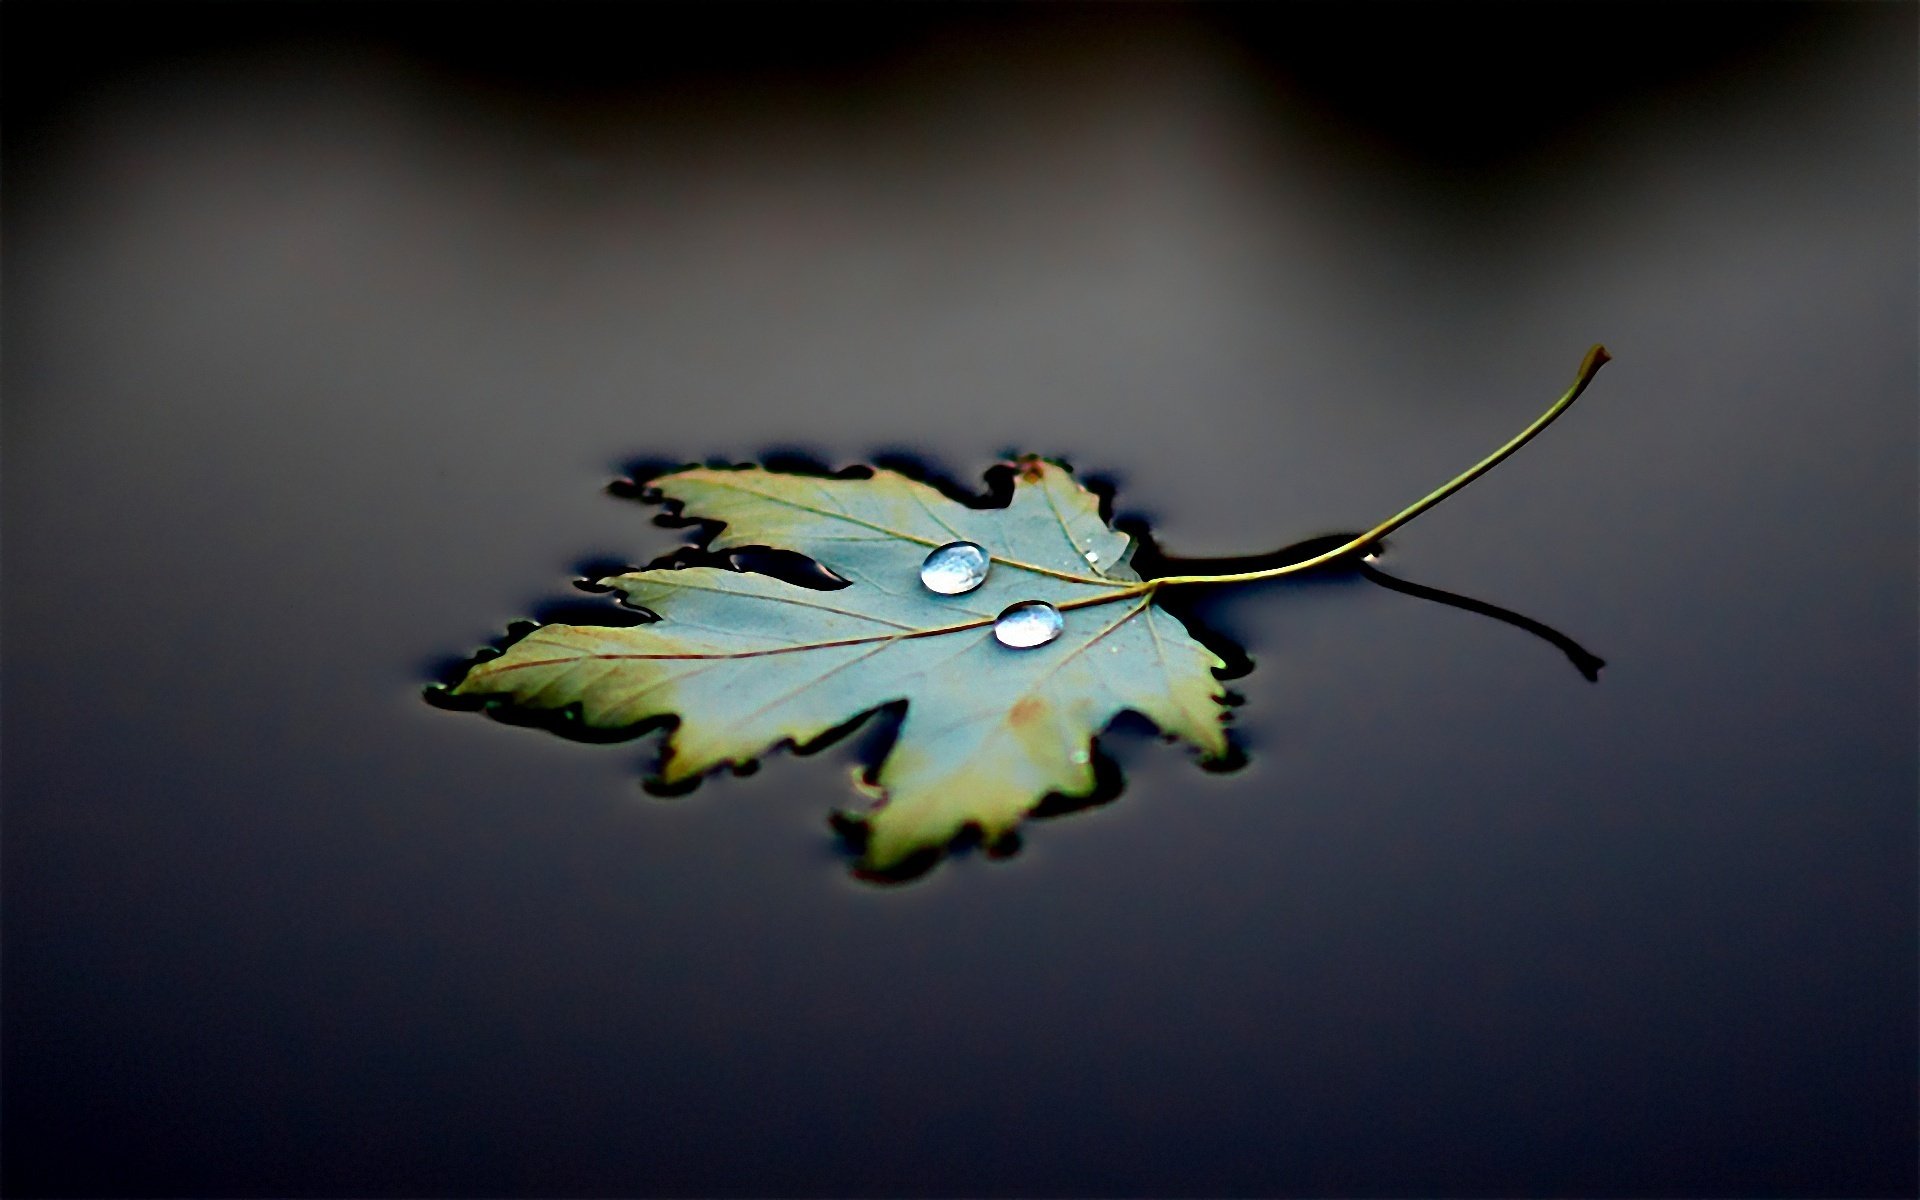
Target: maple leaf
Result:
[994, 721]
[747, 662]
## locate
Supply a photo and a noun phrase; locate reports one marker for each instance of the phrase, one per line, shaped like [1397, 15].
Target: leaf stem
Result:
[1589, 367]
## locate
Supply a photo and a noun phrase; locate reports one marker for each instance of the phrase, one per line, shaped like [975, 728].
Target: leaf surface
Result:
[747, 662]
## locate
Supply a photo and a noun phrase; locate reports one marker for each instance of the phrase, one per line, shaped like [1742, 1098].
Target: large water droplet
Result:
[954, 568]
[1028, 624]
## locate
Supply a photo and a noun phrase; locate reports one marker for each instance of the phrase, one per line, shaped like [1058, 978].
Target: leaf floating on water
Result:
[1005, 682]
[1011, 637]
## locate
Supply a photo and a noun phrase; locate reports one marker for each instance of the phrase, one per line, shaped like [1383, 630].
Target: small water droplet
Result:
[1028, 624]
[1082, 757]
[1093, 558]
[954, 568]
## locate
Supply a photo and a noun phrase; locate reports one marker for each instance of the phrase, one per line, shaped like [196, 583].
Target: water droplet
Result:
[1082, 757]
[1028, 624]
[1093, 558]
[954, 568]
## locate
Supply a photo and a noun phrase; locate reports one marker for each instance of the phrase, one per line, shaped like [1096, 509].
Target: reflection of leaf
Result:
[747, 661]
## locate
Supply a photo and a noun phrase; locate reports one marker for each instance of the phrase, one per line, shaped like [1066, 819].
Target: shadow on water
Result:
[872, 734]
[1584, 661]
[1153, 564]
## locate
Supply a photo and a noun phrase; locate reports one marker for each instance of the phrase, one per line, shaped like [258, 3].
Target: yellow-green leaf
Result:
[747, 662]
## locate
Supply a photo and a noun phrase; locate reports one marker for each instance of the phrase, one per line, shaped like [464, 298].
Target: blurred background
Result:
[327, 325]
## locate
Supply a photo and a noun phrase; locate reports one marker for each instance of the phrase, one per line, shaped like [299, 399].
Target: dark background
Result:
[325, 328]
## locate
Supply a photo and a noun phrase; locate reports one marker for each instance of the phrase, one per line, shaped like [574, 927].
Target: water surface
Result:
[323, 340]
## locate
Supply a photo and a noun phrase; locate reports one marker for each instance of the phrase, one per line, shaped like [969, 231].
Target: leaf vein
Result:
[912, 537]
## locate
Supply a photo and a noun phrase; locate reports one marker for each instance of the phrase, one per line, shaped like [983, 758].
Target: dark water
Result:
[326, 327]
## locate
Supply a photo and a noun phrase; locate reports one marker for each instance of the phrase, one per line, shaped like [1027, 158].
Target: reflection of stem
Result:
[1584, 661]
[1596, 358]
